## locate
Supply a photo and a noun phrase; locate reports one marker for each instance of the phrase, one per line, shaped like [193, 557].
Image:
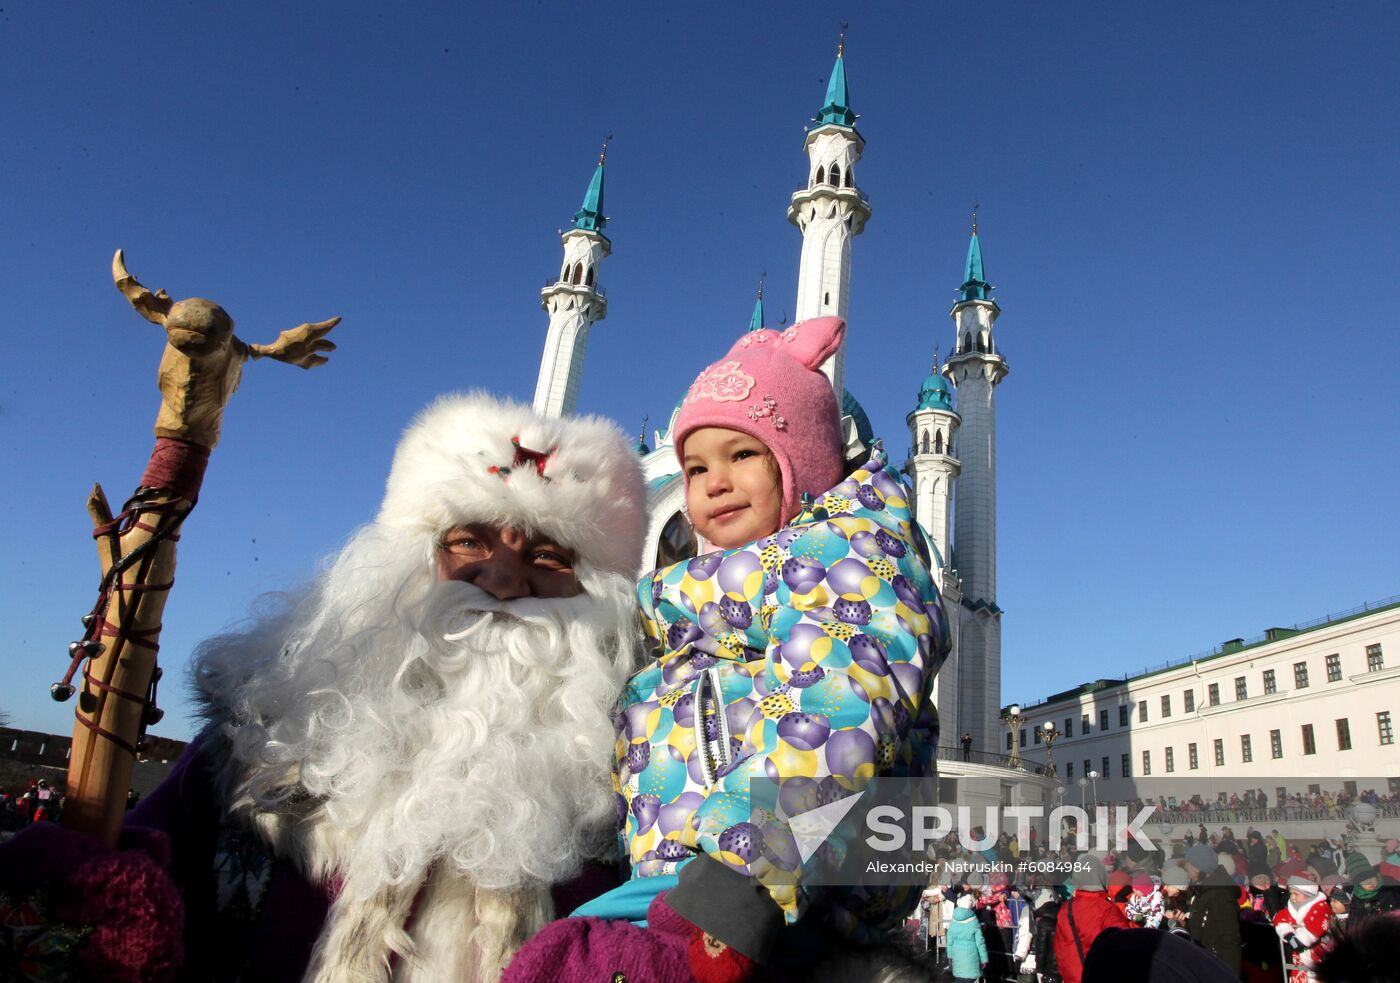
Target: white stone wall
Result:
[1357, 697]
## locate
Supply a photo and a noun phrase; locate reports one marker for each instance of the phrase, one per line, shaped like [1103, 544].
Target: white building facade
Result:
[1298, 710]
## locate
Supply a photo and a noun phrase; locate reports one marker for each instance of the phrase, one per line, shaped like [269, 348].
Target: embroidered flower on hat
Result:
[767, 410]
[724, 383]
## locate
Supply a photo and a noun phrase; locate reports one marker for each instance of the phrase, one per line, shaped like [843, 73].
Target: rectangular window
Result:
[1241, 688]
[1125, 765]
[1035, 734]
[1309, 742]
[1375, 661]
[1084, 724]
[1142, 711]
[1123, 715]
[1334, 668]
[1008, 740]
[1166, 705]
[1023, 737]
[1270, 684]
[1188, 700]
[1103, 720]
[1088, 767]
[1171, 759]
[1383, 725]
[1246, 749]
[1069, 727]
[1193, 760]
[1069, 769]
[1276, 743]
[1146, 762]
[1343, 734]
[1213, 694]
[1300, 675]
[1220, 752]
[1103, 771]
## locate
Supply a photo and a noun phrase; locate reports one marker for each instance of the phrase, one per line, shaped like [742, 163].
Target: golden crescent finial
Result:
[761, 277]
[975, 206]
[604, 154]
[841, 43]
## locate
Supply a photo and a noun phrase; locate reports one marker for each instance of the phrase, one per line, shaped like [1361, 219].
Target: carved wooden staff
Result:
[199, 371]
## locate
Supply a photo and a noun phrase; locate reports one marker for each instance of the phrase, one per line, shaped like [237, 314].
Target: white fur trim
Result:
[593, 501]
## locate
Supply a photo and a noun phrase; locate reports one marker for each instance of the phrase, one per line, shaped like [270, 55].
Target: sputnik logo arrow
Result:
[812, 828]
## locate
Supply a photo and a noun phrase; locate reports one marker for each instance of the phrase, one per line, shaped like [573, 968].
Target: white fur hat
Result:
[474, 458]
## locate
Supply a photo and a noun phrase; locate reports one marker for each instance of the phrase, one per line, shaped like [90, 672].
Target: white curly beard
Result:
[429, 723]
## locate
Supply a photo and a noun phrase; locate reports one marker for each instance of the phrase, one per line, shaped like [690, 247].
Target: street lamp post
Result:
[1014, 720]
[1051, 735]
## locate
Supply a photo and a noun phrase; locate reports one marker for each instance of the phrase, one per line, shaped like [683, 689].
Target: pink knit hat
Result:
[770, 386]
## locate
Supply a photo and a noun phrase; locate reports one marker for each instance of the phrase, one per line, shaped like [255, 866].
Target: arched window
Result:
[677, 541]
[850, 177]
[821, 175]
[589, 278]
[981, 346]
[578, 274]
[923, 447]
[938, 442]
[826, 298]
[836, 174]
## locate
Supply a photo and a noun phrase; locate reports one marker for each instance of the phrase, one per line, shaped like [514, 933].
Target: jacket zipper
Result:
[714, 758]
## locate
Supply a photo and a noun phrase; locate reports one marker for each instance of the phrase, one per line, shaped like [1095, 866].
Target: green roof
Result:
[590, 217]
[838, 98]
[975, 286]
[756, 321]
[934, 394]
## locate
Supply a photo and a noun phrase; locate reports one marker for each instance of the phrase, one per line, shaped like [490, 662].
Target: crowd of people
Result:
[35, 803]
[1261, 907]
[1254, 805]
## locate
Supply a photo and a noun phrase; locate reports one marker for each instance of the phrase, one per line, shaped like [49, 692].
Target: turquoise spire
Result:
[838, 110]
[642, 447]
[975, 285]
[756, 322]
[590, 217]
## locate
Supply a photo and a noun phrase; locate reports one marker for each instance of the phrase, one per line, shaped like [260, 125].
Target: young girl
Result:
[802, 651]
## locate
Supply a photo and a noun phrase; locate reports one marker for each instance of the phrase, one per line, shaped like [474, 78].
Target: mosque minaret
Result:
[952, 463]
[573, 302]
[830, 211]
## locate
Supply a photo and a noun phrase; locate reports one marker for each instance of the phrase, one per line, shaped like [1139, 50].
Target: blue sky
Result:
[1190, 211]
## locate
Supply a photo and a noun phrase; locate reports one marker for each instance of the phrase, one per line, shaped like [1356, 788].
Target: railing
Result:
[954, 752]
[555, 281]
[1194, 817]
[802, 189]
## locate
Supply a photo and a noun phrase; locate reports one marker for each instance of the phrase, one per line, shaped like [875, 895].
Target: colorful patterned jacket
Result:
[807, 654]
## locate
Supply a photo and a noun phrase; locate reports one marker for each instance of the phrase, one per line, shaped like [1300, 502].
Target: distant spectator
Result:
[1083, 917]
[967, 746]
[967, 950]
[1215, 907]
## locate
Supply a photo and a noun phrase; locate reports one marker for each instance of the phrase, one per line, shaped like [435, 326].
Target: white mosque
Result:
[953, 440]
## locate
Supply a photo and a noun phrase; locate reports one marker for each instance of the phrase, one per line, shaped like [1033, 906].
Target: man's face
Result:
[506, 562]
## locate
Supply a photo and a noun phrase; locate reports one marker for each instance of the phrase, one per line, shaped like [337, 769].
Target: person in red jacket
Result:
[1083, 917]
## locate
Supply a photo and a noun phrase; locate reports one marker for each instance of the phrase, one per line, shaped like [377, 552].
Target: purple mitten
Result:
[119, 913]
[598, 949]
[669, 950]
